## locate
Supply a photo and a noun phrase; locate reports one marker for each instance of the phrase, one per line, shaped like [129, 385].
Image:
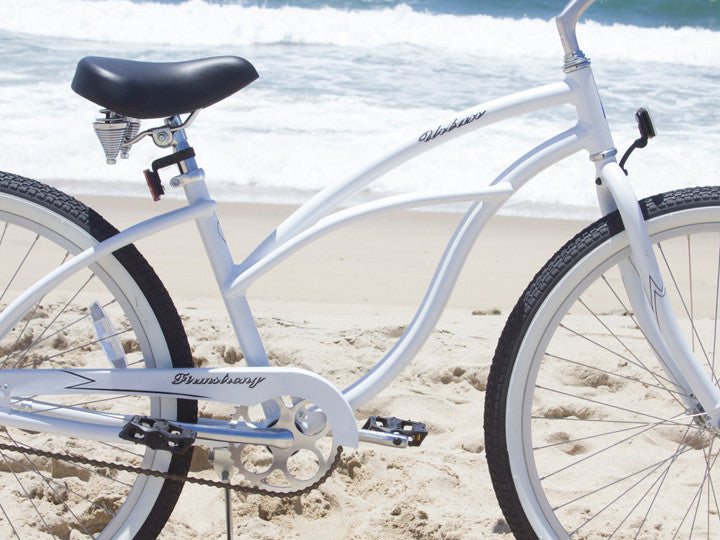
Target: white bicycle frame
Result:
[319, 216]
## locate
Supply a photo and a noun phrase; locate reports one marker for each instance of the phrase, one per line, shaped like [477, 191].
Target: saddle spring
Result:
[116, 134]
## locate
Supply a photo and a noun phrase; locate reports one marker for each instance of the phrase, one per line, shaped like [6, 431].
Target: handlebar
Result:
[566, 22]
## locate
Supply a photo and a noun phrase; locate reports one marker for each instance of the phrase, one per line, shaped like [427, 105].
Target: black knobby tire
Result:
[569, 359]
[45, 219]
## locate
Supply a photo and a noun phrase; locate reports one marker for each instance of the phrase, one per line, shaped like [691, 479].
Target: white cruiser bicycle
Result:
[581, 426]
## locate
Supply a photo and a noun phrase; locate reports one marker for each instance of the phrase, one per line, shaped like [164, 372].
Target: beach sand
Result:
[335, 308]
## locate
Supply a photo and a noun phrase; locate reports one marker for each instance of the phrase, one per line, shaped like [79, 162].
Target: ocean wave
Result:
[198, 23]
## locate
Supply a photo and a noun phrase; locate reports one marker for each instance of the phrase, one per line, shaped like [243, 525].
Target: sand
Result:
[336, 308]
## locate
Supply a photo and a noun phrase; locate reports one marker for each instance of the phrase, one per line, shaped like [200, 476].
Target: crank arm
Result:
[221, 435]
[217, 433]
[384, 439]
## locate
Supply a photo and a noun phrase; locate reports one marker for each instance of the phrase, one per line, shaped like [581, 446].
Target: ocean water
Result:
[342, 81]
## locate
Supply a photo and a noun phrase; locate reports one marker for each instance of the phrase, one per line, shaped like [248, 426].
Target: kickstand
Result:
[228, 509]
[222, 462]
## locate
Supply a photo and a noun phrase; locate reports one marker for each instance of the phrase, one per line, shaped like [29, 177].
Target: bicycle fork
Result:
[646, 291]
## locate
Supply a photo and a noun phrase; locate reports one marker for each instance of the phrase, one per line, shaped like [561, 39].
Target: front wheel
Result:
[113, 314]
[585, 434]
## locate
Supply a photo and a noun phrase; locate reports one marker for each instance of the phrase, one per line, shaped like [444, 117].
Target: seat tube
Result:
[208, 226]
[222, 264]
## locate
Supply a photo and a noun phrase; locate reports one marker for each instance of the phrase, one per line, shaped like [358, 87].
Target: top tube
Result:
[566, 22]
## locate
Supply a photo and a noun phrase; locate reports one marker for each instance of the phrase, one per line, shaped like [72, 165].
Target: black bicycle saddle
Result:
[160, 89]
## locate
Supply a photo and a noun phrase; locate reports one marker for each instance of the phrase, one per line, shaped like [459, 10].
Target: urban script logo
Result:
[458, 122]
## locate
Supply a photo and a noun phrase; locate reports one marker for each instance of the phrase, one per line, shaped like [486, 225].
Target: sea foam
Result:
[199, 23]
[338, 88]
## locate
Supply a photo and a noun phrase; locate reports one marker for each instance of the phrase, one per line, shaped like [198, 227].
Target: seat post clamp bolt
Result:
[162, 137]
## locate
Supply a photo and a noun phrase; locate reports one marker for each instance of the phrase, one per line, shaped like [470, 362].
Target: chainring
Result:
[304, 465]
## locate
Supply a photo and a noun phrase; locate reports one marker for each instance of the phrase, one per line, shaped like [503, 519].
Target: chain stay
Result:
[173, 477]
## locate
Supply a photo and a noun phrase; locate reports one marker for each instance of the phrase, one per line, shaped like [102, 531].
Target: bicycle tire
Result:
[584, 433]
[39, 227]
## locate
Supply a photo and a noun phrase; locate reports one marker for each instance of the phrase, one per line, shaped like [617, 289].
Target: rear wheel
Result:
[585, 433]
[40, 228]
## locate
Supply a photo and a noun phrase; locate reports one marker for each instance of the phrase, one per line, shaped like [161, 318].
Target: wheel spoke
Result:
[20, 265]
[40, 230]
[615, 353]
[47, 326]
[79, 405]
[68, 326]
[27, 495]
[660, 482]
[603, 450]
[609, 405]
[649, 471]
[76, 465]
[614, 374]
[586, 433]
[690, 292]
[689, 312]
[28, 321]
[711, 487]
[646, 470]
[31, 467]
[76, 348]
[653, 373]
[715, 318]
[9, 521]
[598, 435]
[2, 236]
[696, 497]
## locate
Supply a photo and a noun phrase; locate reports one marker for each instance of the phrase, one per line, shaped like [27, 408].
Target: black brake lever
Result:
[647, 131]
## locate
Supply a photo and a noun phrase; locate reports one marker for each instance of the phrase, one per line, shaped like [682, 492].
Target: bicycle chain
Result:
[174, 477]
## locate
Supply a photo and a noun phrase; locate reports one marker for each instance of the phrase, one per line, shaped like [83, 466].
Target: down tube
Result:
[451, 263]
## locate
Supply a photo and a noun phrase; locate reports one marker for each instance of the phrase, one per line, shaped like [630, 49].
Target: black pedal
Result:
[158, 434]
[414, 431]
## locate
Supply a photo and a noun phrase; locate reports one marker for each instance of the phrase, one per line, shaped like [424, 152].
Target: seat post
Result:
[208, 226]
[180, 142]
[196, 190]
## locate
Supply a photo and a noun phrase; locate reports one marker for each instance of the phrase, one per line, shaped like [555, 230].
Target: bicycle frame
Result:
[316, 218]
